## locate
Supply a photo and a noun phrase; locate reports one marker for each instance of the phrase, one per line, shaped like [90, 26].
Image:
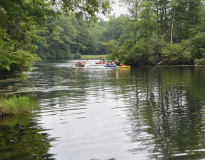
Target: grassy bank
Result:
[92, 56]
[16, 105]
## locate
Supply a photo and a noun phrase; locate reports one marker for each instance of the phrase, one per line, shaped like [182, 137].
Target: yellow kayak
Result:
[123, 66]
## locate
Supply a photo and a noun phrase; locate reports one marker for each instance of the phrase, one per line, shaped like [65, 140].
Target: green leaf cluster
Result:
[22, 24]
[161, 32]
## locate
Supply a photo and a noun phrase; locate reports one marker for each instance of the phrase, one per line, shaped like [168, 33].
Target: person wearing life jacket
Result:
[107, 64]
[121, 64]
[111, 63]
[79, 63]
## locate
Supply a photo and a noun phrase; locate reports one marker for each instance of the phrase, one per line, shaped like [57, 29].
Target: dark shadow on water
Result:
[22, 138]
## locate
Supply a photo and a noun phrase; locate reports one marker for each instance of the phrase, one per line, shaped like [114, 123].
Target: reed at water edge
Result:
[16, 105]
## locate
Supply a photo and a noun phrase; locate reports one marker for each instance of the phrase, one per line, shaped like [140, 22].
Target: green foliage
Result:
[77, 56]
[114, 29]
[108, 33]
[177, 53]
[198, 45]
[87, 57]
[11, 58]
[110, 45]
[147, 24]
[70, 36]
[28, 142]
[200, 61]
[14, 105]
[4, 62]
[57, 43]
[135, 39]
[132, 53]
[21, 22]
[179, 22]
[142, 53]
[173, 53]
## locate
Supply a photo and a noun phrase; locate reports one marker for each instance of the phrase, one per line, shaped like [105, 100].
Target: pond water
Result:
[100, 113]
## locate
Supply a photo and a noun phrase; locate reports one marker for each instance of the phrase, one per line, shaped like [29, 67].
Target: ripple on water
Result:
[142, 113]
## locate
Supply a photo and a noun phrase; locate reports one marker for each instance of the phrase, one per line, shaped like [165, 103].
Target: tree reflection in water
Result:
[167, 117]
[22, 138]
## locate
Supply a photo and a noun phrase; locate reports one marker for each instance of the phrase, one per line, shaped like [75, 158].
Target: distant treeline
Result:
[153, 32]
[162, 32]
[71, 37]
[23, 23]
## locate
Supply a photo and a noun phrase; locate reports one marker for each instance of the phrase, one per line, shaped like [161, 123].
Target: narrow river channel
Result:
[100, 113]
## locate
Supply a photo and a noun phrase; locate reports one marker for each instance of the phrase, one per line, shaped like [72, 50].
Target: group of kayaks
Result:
[112, 64]
[79, 64]
[117, 66]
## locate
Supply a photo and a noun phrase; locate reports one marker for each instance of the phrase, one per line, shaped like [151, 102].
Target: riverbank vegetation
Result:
[16, 105]
[152, 32]
[72, 37]
[22, 23]
[162, 32]
[87, 57]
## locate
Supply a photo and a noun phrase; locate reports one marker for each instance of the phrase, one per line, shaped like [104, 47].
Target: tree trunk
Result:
[162, 21]
[172, 28]
[177, 32]
[136, 20]
[157, 22]
[165, 18]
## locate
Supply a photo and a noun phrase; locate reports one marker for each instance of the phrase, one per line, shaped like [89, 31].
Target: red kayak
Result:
[101, 62]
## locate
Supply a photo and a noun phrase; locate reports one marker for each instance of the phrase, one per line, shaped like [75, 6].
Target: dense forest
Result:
[72, 37]
[22, 23]
[168, 32]
[152, 32]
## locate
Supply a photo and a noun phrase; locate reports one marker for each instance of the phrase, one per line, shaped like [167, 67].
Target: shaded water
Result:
[106, 113]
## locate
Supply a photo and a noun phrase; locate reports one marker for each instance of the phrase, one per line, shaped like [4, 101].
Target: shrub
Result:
[15, 105]
[77, 55]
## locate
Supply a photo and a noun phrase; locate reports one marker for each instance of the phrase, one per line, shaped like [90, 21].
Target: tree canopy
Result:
[152, 32]
[21, 22]
[163, 31]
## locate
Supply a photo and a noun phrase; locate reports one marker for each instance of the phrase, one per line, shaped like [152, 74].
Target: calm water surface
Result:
[99, 113]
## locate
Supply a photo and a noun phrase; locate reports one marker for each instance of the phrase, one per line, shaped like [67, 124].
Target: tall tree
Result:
[133, 9]
[23, 20]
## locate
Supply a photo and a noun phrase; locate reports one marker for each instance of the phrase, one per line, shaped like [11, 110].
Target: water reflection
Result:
[106, 113]
[166, 110]
[22, 138]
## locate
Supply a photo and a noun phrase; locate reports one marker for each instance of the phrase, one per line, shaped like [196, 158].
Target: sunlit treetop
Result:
[15, 11]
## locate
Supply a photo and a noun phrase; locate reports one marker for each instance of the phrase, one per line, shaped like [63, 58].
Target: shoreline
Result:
[13, 105]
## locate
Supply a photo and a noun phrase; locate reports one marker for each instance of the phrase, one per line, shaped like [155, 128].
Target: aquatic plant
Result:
[16, 105]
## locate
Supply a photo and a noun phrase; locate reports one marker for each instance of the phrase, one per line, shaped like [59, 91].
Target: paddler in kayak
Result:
[111, 63]
[107, 64]
[121, 64]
